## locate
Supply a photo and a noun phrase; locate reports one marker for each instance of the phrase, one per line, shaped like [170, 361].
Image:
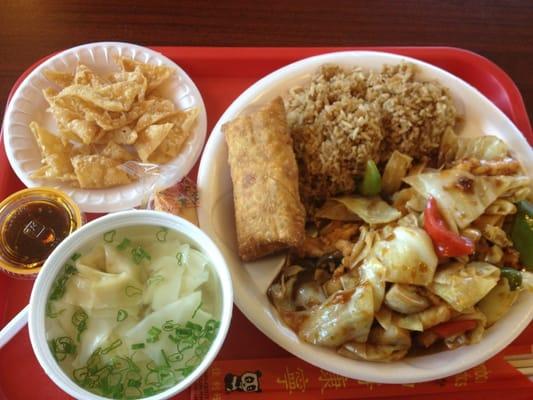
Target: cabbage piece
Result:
[308, 295]
[527, 281]
[485, 147]
[414, 322]
[405, 299]
[373, 352]
[383, 345]
[362, 248]
[345, 316]
[482, 147]
[448, 147]
[462, 286]
[498, 301]
[463, 197]
[335, 211]
[373, 272]
[408, 256]
[372, 210]
[394, 172]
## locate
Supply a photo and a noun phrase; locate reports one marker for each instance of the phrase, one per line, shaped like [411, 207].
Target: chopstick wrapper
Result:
[292, 378]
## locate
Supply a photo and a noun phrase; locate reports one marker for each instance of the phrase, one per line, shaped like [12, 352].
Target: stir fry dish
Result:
[416, 238]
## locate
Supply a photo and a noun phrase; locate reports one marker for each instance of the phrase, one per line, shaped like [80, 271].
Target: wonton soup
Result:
[133, 312]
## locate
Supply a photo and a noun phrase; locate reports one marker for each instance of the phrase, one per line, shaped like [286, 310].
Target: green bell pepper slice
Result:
[522, 233]
[371, 185]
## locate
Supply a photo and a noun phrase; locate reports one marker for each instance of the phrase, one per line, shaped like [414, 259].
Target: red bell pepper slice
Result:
[451, 328]
[446, 242]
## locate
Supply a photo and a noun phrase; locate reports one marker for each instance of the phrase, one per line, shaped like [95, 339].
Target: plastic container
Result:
[55, 262]
[32, 223]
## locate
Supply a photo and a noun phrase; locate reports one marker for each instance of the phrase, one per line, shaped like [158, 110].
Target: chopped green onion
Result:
[137, 346]
[165, 357]
[79, 320]
[133, 291]
[187, 370]
[179, 257]
[149, 391]
[122, 315]
[50, 313]
[155, 279]
[139, 254]
[196, 310]
[75, 256]
[134, 383]
[61, 347]
[59, 285]
[169, 326]
[109, 236]
[161, 235]
[125, 243]
[153, 334]
[112, 346]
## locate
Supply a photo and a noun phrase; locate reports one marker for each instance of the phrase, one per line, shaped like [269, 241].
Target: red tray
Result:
[221, 74]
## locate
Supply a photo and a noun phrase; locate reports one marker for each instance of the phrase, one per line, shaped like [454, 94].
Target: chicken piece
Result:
[326, 240]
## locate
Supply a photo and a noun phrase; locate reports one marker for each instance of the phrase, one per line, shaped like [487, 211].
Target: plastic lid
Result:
[32, 223]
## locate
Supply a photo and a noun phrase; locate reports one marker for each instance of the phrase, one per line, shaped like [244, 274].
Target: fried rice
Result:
[345, 117]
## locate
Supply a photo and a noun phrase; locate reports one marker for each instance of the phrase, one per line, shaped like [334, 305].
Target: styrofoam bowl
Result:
[251, 280]
[28, 104]
[86, 234]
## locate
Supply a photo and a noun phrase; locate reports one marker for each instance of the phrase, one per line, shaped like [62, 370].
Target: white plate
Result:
[28, 104]
[251, 280]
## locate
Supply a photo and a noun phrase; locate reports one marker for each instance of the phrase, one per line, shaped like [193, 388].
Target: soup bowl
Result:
[54, 265]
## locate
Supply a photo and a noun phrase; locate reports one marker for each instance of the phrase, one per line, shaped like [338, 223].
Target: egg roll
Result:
[269, 215]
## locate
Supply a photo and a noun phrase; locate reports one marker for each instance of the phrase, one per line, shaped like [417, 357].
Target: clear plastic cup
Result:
[32, 224]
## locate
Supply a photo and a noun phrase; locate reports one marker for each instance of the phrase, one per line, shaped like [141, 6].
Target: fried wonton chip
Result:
[155, 74]
[124, 135]
[159, 109]
[55, 155]
[60, 78]
[95, 172]
[68, 108]
[117, 152]
[184, 122]
[150, 139]
[87, 131]
[85, 76]
[118, 96]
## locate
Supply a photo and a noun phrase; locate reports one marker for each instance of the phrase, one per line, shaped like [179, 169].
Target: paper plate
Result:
[28, 104]
[250, 280]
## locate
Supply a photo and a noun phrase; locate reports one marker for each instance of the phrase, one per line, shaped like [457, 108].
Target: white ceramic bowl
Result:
[28, 104]
[250, 280]
[55, 262]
